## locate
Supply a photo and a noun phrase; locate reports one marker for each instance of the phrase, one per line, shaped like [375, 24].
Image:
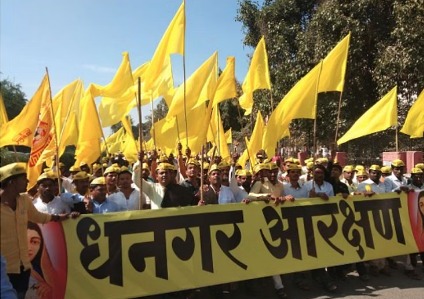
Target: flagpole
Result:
[316, 108]
[338, 118]
[201, 173]
[55, 132]
[218, 125]
[140, 140]
[184, 75]
[153, 121]
[397, 138]
[178, 129]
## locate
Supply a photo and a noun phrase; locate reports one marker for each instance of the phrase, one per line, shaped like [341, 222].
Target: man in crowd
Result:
[48, 199]
[16, 210]
[127, 198]
[99, 203]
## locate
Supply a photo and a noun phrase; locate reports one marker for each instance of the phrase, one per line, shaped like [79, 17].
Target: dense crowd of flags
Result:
[48, 124]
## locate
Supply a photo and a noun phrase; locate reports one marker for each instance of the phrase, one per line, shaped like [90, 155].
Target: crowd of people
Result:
[159, 181]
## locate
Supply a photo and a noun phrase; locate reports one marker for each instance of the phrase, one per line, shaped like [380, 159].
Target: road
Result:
[398, 285]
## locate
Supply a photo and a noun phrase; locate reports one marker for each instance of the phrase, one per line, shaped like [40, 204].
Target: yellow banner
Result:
[140, 253]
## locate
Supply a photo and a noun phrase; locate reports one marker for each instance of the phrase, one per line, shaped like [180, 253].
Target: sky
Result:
[85, 38]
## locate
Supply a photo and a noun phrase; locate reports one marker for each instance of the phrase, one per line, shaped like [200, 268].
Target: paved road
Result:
[398, 285]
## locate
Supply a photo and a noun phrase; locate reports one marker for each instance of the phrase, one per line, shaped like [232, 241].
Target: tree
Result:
[386, 42]
[13, 96]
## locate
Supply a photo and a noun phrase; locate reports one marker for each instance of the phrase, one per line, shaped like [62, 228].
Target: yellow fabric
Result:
[21, 129]
[166, 134]
[255, 143]
[44, 134]
[129, 146]
[88, 146]
[66, 114]
[378, 118]
[172, 42]
[257, 77]
[334, 67]
[229, 136]
[299, 102]
[199, 87]
[216, 134]
[3, 114]
[226, 86]
[111, 140]
[120, 83]
[414, 122]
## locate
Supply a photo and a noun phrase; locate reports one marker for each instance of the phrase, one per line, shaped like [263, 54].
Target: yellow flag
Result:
[334, 67]
[172, 42]
[255, 142]
[21, 129]
[120, 83]
[378, 118]
[130, 148]
[166, 134]
[199, 88]
[216, 134]
[414, 122]
[226, 86]
[3, 113]
[66, 114]
[257, 76]
[44, 133]
[90, 131]
[299, 102]
[229, 136]
[115, 138]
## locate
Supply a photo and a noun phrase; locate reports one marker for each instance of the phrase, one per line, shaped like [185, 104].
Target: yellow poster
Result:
[140, 253]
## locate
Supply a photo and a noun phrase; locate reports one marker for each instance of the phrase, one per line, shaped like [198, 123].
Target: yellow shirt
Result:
[14, 241]
[260, 189]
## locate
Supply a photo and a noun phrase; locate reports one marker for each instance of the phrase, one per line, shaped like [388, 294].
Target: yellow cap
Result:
[145, 166]
[47, 175]
[96, 166]
[165, 166]
[348, 168]
[259, 167]
[98, 181]
[193, 162]
[112, 168]
[359, 167]
[420, 166]
[12, 170]
[163, 159]
[294, 166]
[310, 165]
[386, 170]
[124, 169]
[79, 176]
[205, 165]
[375, 167]
[416, 170]
[289, 159]
[397, 163]
[74, 169]
[361, 173]
[213, 168]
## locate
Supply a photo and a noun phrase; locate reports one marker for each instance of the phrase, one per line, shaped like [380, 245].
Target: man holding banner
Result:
[16, 210]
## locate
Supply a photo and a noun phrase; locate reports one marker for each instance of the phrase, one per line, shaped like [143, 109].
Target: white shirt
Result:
[132, 203]
[326, 187]
[56, 206]
[376, 188]
[225, 195]
[392, 182]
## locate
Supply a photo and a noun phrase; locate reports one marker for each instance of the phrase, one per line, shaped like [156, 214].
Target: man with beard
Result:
[192, 180]
[48, 200]
[127, 198]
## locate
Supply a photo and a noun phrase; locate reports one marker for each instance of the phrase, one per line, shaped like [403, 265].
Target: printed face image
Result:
[421, 204]
[34, 243]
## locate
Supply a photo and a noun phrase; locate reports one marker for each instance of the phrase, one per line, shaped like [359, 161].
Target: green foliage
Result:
[385, 50]
[13, 96]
